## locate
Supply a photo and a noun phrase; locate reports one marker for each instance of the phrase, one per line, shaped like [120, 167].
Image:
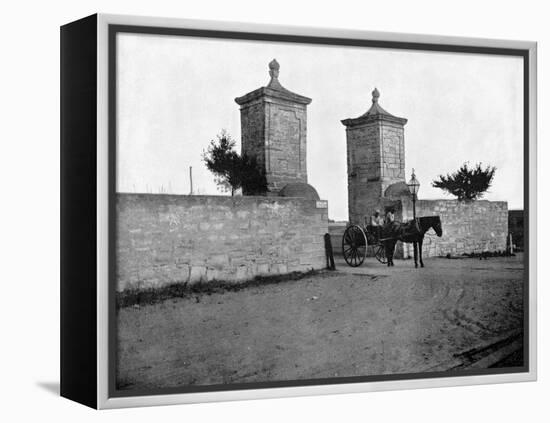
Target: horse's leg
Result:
[393, 251]
[415, 248]
[386, 251]
[390, 247]
[420, 251]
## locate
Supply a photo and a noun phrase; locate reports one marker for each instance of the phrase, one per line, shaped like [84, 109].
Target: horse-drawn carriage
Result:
[381, 240]
[357, 240]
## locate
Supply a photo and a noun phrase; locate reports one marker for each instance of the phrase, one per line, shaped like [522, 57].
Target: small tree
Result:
[467, 184]
[232, 171]
[253, 180]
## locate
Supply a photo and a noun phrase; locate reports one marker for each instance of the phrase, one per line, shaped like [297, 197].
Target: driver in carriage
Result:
[390, 225]
[399, 229]
[376, 221]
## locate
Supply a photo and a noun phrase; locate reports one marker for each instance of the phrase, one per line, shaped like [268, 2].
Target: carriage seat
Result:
[401, 230]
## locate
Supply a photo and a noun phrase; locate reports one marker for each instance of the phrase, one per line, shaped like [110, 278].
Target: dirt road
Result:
[366, 321]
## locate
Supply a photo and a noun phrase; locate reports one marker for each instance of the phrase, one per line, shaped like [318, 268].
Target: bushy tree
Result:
[253, 180]
[231, 170]
[467, 184]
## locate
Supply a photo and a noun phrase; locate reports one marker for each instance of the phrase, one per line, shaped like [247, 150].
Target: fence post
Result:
[328, 253]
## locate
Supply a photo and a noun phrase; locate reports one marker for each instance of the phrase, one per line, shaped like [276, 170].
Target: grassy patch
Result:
[482, 255]
[136, 296]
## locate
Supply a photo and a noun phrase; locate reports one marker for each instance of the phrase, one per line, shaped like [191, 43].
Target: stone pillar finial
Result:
[274, 131]
[274, 69]
[375, 95]
[376, 159]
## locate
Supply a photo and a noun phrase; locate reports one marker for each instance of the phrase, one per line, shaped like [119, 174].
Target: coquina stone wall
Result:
[166, 239]
[468, 227]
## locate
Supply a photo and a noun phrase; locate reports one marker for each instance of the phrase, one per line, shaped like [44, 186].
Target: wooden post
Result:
[329, 253]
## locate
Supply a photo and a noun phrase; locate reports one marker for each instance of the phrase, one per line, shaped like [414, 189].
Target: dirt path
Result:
[366, 321]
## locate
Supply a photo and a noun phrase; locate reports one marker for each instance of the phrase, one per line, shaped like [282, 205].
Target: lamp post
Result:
[413, 185]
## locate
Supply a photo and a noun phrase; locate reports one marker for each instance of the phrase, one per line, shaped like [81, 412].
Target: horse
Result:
[411, 232]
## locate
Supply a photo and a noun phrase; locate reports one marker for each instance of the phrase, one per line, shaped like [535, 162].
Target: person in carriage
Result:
[390, 225]
[376, 222]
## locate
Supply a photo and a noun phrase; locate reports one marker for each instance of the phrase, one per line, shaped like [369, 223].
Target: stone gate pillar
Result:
[375, 158]
[273, 130]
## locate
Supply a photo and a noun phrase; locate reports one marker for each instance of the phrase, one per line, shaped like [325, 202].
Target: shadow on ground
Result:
[51, 387]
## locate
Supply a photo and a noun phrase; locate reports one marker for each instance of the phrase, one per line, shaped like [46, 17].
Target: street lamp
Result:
[413, 185]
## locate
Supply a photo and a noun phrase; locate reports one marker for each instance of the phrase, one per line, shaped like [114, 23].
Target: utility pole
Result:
[191, 179]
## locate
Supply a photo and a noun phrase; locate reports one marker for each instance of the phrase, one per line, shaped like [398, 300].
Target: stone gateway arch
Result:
[165, 239]
[274, 131]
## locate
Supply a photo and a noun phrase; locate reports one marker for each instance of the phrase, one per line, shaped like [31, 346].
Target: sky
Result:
[176, 93]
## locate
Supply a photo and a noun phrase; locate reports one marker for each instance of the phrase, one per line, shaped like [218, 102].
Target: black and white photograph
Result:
[275, 211]
[289, 212]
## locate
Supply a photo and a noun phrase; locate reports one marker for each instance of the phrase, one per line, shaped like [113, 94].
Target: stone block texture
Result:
[376, 158]
[468, 227]
[274, 131]
[167, 239]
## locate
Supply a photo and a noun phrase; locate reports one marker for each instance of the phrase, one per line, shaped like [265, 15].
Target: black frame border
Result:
[114, 29]
[78, 211]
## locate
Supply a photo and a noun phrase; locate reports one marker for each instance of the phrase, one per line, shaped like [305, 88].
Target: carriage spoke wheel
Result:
[354, 246]
[380, 253]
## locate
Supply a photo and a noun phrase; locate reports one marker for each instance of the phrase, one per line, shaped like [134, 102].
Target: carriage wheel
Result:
[354, 246]
[380, 253]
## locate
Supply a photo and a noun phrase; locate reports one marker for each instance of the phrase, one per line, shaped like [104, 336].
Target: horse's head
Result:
[436, 224]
